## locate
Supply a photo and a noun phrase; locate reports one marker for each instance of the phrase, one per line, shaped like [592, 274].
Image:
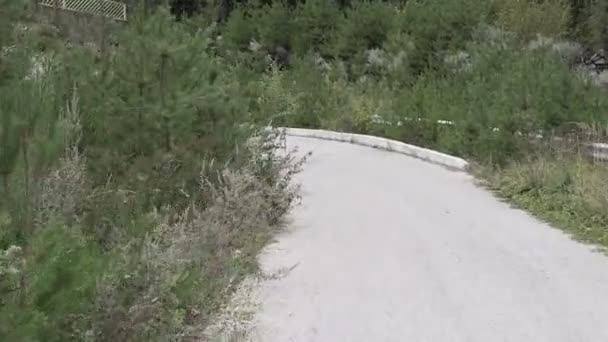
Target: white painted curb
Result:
[431, 156]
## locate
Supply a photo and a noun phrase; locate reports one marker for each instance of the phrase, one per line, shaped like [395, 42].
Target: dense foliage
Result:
[133, 196]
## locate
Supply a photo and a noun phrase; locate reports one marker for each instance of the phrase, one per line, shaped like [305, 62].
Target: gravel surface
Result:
[389, 248]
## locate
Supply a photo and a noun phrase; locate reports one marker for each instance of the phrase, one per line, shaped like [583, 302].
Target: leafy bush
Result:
[60, 277]
[597, 25]
[437, 26]
[276, 25]
[167, 105]
[365, 25]
[505, 93]
[316, 22]
[240, 29]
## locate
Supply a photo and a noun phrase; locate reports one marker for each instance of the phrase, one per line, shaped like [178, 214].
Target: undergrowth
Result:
[135, 193]
[138, 186]
[564, 188]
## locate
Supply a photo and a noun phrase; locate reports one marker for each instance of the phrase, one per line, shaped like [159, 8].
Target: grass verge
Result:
[568, 191]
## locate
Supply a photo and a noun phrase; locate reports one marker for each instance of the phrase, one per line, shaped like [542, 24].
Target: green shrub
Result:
[529, 18]
[167, 105]
[316, 22]
[365, 25]
[400, 51]
[597, 25]
[505, 93]
[276, 25]
[56, 288]
[276, 100]
[238, 32]
[437, 26]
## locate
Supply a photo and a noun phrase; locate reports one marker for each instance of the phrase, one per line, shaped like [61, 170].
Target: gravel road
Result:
[389, 248]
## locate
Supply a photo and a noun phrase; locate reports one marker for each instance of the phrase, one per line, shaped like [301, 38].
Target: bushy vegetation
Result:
[138, 185]
[135, 191]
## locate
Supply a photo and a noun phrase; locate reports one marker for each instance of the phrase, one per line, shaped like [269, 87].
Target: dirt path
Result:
[390, 248]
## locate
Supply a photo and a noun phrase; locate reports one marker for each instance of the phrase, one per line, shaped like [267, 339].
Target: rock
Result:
[280, 56]
[254, 46]
[321, 63]
[602, 78]
[459, 61]
[598, 61]
[540, 42]
[375, 57]
[570, 52]
[599, 79]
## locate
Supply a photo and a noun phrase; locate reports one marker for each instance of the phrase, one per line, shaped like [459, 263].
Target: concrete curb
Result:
[431, 156]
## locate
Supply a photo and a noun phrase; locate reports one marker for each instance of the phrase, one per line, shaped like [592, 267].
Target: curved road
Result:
[390, 248]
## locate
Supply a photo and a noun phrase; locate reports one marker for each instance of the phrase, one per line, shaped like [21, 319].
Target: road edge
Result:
[431, 156]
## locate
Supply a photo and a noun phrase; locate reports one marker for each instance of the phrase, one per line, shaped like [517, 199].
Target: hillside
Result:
[138, 183]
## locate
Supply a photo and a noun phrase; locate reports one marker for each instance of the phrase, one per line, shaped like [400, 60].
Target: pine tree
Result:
[30, 135]
[9, 63]
[159, 109]
[155, 73]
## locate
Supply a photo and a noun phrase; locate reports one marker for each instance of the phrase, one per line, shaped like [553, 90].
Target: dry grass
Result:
[567, 190]
[188, 265]
[64, 189]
